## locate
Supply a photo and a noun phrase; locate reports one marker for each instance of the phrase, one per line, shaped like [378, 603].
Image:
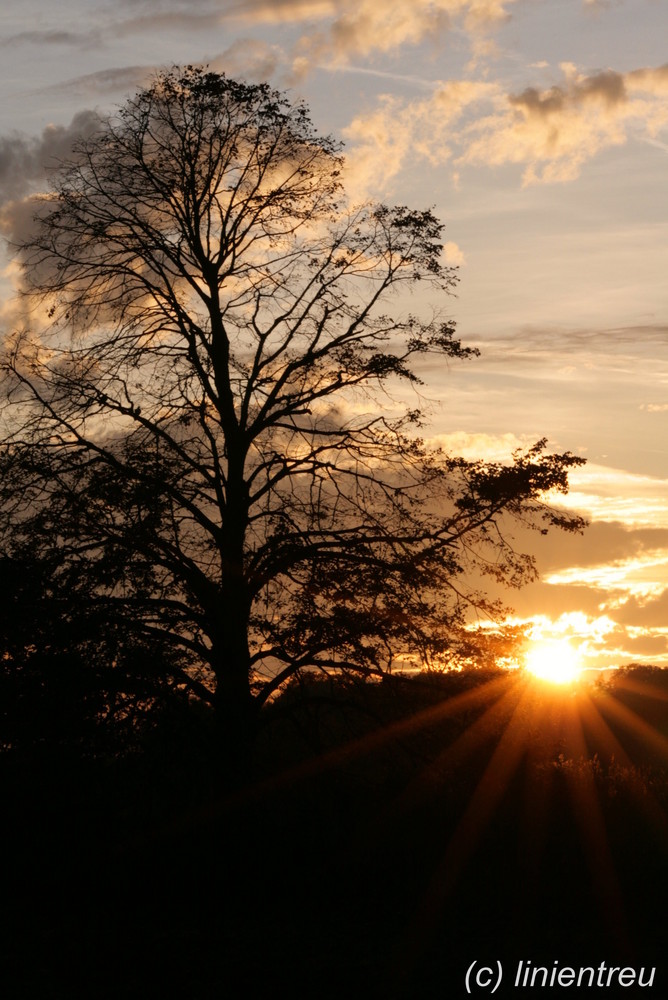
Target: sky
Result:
[537, 130]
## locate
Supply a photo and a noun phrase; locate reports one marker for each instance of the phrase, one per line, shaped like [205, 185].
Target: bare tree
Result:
[210, 421]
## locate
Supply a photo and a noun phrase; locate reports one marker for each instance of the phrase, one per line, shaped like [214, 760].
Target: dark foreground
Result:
[385, 838]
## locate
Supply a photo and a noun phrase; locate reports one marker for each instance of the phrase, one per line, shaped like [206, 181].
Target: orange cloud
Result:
[555, 131]
[384, 140]
[360, 27]
[550, 132]
[643, 577]
[606, 494]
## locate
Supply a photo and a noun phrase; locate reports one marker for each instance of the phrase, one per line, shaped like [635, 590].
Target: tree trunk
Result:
[235, 715]
[235, 707]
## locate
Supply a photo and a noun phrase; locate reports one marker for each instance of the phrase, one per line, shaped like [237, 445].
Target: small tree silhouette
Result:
[211, 429]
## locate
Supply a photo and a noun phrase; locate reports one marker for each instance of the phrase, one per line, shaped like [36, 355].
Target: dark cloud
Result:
[649, 77]
[540, 103]
[603, 542]
[246, 58]
[177, 20]
[104, 82]
[646, 645]
[558, 599]
[529, 343]
[183, 20]
[607, 88]
[25, 161]
[54, 37]
[645, 613]
[18, 218]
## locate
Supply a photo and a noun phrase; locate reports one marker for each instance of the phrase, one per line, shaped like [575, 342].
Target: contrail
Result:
[415, 80]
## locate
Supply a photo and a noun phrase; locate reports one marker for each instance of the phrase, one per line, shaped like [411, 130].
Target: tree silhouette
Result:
[205, 418]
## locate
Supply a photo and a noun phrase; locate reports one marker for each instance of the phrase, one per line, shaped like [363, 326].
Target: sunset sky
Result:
[538, 131]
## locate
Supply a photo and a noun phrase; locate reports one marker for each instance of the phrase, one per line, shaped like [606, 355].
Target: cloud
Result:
[613, 609]
[453, 254]
[395, 133]
[597, 587]
[551, 132]
[158, 21]
[641, 577]
[568, 625]
[245, 59]
[248, 59]
[25, 165]
[102, 83]
[554, 132]
[24, 160]
[607, 494]
[18, 218]
[480, 446]
[337, 30]
[54, 36]
[360, 27]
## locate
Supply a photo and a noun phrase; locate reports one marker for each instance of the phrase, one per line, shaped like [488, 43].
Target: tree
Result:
[211, 431]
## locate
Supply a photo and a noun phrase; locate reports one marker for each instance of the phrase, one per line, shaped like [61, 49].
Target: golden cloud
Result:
[644, 577]
[480, 446]
[606, 494]
[385, 139]
[555, 131]
[360, 27]
[453, 254]
[550, 132]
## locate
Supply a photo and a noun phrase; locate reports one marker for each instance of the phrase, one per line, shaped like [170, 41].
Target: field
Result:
[385, 837]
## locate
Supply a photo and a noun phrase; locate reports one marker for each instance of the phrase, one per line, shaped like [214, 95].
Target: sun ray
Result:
[643, 796]
[495, 717]
[647, 690]
[593, 833]
[603, 735]
[484, 801]
[370, 742]
[635, 724]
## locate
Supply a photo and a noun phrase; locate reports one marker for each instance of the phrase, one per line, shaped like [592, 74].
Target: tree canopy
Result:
[204, 417]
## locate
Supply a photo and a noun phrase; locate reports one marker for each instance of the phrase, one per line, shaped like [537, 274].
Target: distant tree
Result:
[208, 429]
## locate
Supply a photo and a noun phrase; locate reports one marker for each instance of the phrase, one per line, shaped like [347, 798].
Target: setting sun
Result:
[556, 661]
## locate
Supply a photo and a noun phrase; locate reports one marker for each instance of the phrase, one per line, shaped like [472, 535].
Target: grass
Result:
[389, 834]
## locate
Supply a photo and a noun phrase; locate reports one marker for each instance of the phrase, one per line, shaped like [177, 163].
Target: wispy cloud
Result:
[554, 132]
[474, 446]
[352, 28]
[550, 133]
[606, 494]
[115, 80]
[643, 577]
[249, 59]
[385, 140]
[55, 36]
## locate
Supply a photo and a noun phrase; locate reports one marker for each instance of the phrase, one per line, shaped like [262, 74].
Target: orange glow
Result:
[555, 661]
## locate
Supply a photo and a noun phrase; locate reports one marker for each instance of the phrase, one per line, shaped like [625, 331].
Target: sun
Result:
[554, 661]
